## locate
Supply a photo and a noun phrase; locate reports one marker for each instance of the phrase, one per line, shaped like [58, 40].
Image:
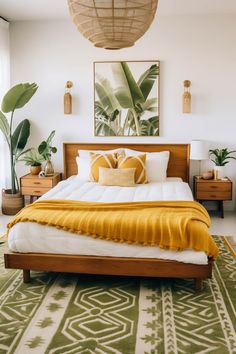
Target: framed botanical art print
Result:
[126, 98]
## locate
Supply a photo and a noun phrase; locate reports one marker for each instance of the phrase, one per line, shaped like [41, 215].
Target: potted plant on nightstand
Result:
[15, 98]
[33, 159]
[46, 149]
[221, 158]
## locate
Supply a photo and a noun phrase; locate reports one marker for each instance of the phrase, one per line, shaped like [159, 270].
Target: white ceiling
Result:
[19, 10]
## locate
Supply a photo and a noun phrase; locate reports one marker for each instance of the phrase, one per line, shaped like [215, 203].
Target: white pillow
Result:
[130, 152]
[83, 165]
[85, 153]
[156, 164]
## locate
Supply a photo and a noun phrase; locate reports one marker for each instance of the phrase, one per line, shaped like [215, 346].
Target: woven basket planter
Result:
[112, 24]
[11, 203]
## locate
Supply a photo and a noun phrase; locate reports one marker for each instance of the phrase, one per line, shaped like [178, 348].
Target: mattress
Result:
[31, 237]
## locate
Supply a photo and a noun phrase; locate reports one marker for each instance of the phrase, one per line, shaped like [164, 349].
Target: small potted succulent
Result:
[221, 157]
[33, 159]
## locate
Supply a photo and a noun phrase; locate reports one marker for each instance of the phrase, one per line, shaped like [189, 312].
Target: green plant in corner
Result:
[14, 99]
[221, 156]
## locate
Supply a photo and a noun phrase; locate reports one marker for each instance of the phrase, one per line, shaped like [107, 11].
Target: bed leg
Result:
[198, 284]
[26, 276]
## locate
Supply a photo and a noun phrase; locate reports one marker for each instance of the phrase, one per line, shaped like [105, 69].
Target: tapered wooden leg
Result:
[198, 284]
[26, 276]
[221, 208]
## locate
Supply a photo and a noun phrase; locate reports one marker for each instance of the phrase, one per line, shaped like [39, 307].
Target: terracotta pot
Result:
[11, 203]
[34, 170]
[208, 175]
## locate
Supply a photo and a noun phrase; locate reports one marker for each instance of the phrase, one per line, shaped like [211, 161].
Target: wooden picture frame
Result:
[127, 98]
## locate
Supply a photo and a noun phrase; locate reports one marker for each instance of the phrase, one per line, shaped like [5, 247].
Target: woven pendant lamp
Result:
[112, 24]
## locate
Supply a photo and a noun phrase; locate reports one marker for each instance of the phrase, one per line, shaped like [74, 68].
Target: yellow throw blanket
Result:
[173, 225]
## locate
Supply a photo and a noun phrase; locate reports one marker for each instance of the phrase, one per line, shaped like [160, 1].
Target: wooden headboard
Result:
[178, 163]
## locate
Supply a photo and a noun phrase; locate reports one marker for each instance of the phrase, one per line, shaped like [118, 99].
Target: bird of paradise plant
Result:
[123, 110]
[16, 98]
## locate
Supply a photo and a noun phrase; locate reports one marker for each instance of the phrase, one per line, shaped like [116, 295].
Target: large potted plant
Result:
[221, 157]
[16, 139]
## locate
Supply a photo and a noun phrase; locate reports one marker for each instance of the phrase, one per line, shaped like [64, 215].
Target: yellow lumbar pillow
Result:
[100, 160]
[138, 162]
[116, 177]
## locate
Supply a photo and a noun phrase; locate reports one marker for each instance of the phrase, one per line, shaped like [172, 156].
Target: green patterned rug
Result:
[61, 313]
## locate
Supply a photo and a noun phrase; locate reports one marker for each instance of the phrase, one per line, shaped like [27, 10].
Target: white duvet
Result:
[31, 237]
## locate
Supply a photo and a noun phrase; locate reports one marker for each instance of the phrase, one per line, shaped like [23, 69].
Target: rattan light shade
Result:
[112, 24]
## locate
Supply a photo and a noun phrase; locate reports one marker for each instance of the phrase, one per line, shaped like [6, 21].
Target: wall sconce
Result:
[186, 97]
[68, 98]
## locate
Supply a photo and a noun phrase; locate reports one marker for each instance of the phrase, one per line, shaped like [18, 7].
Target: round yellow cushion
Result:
[138, 162]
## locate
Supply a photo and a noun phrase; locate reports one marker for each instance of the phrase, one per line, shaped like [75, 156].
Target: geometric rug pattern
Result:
[68, 313]
[231, 243]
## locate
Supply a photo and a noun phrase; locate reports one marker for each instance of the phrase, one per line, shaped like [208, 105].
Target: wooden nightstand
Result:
[218, 190]
[35, 186]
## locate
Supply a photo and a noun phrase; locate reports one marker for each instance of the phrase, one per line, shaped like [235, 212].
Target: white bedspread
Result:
[32, 237]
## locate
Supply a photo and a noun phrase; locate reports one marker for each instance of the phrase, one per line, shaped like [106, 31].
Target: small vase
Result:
[48, 169]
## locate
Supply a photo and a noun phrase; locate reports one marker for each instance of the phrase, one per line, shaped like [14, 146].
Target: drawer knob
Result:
[213, 187]
[213, 196]
[36, 182]
[37, 191]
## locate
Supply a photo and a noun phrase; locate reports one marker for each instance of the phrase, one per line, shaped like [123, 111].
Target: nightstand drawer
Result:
[37, 182]
[214, 186]
[38, 191]
[214, 195]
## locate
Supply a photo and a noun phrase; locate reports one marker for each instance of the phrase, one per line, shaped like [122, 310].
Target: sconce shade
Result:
[199, 150]
[112, 24]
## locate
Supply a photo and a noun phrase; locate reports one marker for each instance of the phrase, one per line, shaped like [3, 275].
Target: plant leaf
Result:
[106, 95]
[20, 136]
[18, 96]
[147, 80]
[149, 105]
[149, 126]
[127, 91]
[4, 127]
[100, 111]
[103, 129]
[42, 147]
[51, 136]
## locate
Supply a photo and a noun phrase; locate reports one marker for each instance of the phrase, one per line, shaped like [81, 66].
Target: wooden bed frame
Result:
[178, 167]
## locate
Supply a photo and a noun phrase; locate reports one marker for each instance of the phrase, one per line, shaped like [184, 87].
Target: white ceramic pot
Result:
[219, 172]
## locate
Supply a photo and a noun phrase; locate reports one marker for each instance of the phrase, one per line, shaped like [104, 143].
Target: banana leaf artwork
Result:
[126, 98]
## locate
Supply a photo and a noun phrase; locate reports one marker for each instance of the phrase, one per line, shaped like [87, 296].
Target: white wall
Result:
[4, 86]
[198, 48]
